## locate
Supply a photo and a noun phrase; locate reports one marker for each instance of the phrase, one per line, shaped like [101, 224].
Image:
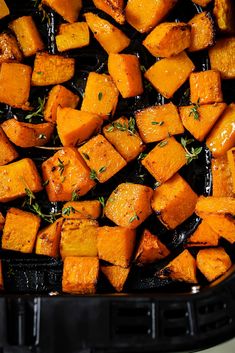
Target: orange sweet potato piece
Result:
[150, 249]
[4, 10]
[116, 275]
[72, 36]
[178, 68]
[116, 245]
[224, 225]
[2, 222]
[174, 202]
[146, 14]
[8, 152]
[27, 35]
[231, 165]
[79, 238]
[221, 177]
[167, 39]
[16, 177]
[222, 57]
[202, 32]
[80, 275]
[157, 122]
[113, 8]
[213, 263]
[200, 126]
[112, 39]
[66, 172]
[222, 136]
[68, 9]
[48, 239]
[82, 209]
[127, 143]
[9, 50]
[13, 238]
[125, 71]
[101, 157]
[15, 84]
[27, 135]
[203, 236]
[182, 268]
[52, 69]
[76, 126]
[59, 96]
[101, 95]
[202, 3]
[205, 87]
[129, 205]
[224, 15]
[164, 160]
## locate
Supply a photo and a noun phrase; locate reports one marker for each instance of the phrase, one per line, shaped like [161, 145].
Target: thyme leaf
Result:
[38, 111]
[134, 218]
[190, 154]
[194, 110]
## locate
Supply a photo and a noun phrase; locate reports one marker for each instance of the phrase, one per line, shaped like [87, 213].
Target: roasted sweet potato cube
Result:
[224, 15]
[8, 152]
[68, 9]
[16, 177]
[113, 8]
[101, 157]
[79, 238]
[146, 14]
[59, 96]
[150, 249]
[213, 263]
[26, 134]
[72, 36]
[9, 50]
[129, 205]
[4, 11]
[215, 205]
[15, 84]
[80, 275]
[224, 225]
[167, 39]
[164, 160]
[125, 71]
[231, 165]
[204, 235]
[126, 142]
[182, 268]
[200, 122]
[222, 136]
[13, 237]
[157, 122]
[2, 221]
[82, 209]
[27, 35]
[1, 276]
[221, 177]
[205, 87]
[222, 57]
[116, 275]
[174, 202]
[48, 239]
[112, 39]
[101, 95]
[202, 3]
[66, 172]
[178, 68]
[52, 69]
[201, 39]
[116, 245]
[76, 126]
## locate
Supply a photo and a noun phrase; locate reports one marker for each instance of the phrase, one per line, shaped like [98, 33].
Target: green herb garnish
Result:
[130, 127]
[100, 96]
[162, 143]
[67, 210]
[160, 123]
[93, 175]
[102, 200]
[194, 110]
[39, 110]
[134, 218]
[86, 156]
[190, 154]
[102, 169]
[75, 196]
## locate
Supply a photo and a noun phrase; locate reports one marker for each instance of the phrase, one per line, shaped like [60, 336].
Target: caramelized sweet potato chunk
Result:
[204, 235]
[9, 50]
[202, 3]
[68, 9]
[4, 10]
[224, 14]
[116, 275]
[224, 225]
[222, 57]
[72, 36]
[231, 165]
[2, 222]
[8, 152]
[221, 177]
[202, 32]
[82, 209]
[48, 239]
[113, 8]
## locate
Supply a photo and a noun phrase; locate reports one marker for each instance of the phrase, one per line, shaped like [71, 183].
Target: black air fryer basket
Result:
[152, 315]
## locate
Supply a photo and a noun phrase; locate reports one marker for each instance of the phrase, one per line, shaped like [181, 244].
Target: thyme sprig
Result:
[130, 127]
[38, 111]
[194, 110]
[190, 154]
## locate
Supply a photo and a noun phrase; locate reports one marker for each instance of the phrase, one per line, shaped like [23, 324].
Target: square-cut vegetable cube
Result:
[127, 142]
[80, 275]
[72, 36]
[116, 245]
[76, 126]
[165, 159]
[2, 222]
[129, 205]
[202, 3]
[68, 9]
[199, 120]
[213, 263]
[82, 209]
[113, 8]
[116, 275]
[222, 57]
[1, 276]
[150, 249]
[52, 69]
[204, 235]
[101, 95]
[205, 87]
[13, 237]
[66, 173]
[125, 71]
[16, 177]
[178, 68]
[4, 11]
[79, 238]
[48, 239]
[10, 52]
[201, 39]
[231, 164]
[224, 15]
[8, 152]
[27, 35]
[221, 177]
[157, 122]
[103, 160]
